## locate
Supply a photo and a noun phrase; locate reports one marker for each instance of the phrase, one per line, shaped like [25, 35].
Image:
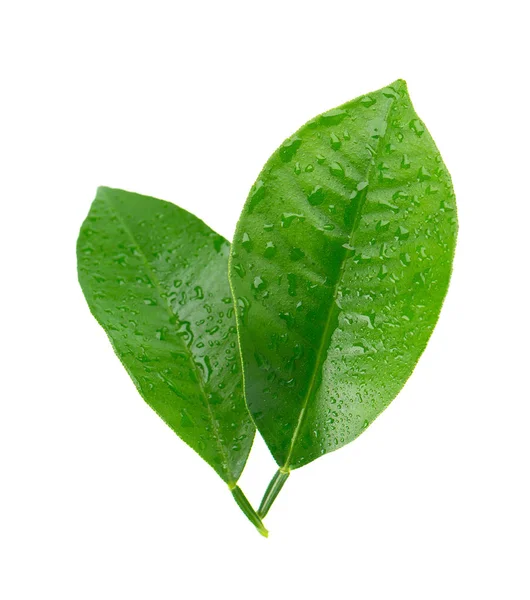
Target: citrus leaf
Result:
[339, 267]
[155, 277]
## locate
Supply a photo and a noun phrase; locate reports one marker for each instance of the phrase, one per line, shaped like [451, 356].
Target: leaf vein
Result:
[326, 334]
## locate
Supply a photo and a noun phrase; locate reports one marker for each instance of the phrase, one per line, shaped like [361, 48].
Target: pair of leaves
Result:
[340, 263]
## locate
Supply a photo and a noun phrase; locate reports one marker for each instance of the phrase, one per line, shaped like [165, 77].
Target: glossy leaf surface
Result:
[339, 267]
[155, 277]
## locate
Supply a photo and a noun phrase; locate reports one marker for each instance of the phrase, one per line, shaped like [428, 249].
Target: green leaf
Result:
[339, 267]
[155, 277]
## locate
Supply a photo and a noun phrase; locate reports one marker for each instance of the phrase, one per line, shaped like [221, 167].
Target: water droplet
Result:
[446, 206]
[288, 318]
[405, 259]
[382, 225]
[289, 218]
[218, 242]
[356, 199]
[424, 174]
[310, 168]
[405, 162]
[383, 272]
[336, 169]
[240, 270]
[335, 141]
[408, 314]
[368, 101]
[384, 175]
[297, 169]
[417, 126]
[246, 243]
[333, 117]
[150, 301]
[320, 159]
[270, 250]
[258, 283]
[316, 196]
[289, 147]
[243, 305]
[184, 330]
[357, 348]
[419, 278]
[257, 194]
[205, 366]
[121, 259]
[369, 319]
[161, 333]
[291, 280]
[199, 294]
[402, 233]
[177, 283]
[362, 185]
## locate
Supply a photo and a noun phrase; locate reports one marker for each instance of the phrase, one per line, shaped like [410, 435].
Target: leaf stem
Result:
[273, 489]
[246, 507]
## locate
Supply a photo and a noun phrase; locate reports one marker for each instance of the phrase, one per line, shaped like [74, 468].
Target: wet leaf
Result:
[155, 277]
[339, 267]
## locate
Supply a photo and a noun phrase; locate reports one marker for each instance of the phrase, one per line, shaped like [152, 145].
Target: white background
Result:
[185, 101]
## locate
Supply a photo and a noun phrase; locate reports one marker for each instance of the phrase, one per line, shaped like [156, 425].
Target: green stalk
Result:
[272, 491]
[246, 507]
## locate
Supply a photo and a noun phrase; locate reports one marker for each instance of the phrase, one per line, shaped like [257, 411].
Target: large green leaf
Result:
[155, 277]
[340, 264]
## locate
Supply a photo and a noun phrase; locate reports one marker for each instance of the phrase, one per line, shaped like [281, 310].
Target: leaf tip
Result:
[102, 190]
[399, 83]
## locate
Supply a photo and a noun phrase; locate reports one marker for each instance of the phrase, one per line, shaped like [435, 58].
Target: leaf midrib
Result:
[172, 315]
[331, 312]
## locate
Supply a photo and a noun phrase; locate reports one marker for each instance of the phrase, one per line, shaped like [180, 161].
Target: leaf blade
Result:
[345, 229]
[155, 278]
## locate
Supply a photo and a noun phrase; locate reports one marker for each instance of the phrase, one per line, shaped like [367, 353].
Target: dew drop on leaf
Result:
[334, 141]
[316, 196]
[417, 126]
[288, 219]
[245, 242]
[258, 283]
[289, 147]
[368, 101]
[336, 169]
[333, 117]
[270, 250]
[424, 174]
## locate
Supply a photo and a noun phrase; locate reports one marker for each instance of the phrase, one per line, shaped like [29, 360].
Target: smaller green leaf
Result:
[156, 279]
